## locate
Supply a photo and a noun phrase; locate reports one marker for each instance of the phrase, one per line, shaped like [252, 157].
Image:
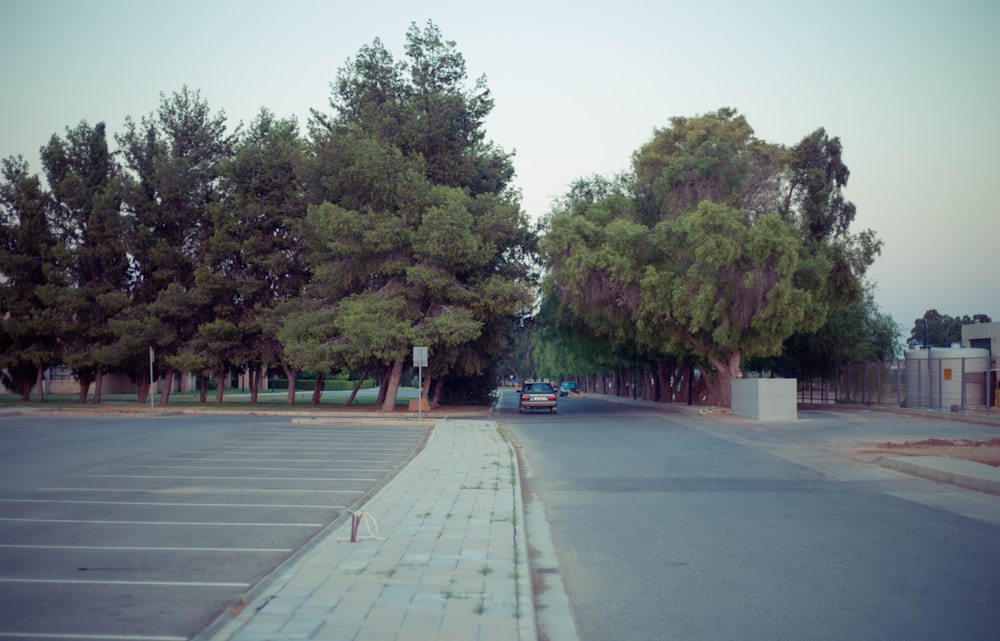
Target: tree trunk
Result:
[318, 388]
[438, 389]
[383, 388]
[292, 374]
[392, 388]
[39, 379]
[203, 389]
[425, 392]
[168, 386]
[85, 378]
[720, 392]
[357, 387]
[142, 387]
[254, 374]
[98, 385]
[219, 391]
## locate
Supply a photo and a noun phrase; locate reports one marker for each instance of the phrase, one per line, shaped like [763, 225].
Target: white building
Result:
[986, 336]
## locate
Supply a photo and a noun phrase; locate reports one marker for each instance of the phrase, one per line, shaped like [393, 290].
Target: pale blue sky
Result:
[911, 88]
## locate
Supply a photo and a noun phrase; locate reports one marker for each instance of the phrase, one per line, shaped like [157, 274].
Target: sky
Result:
[912, 90]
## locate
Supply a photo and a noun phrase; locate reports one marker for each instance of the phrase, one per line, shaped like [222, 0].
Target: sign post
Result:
[152, 357]
[420, 362]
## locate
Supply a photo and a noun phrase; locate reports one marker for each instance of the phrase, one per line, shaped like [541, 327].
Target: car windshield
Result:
[538, 388]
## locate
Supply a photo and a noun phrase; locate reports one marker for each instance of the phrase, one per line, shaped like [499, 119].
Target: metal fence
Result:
[950, 384]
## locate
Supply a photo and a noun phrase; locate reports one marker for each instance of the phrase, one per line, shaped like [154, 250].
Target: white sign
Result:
[419, 356]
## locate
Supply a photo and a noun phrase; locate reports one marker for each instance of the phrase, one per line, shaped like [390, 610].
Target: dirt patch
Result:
[987, 452]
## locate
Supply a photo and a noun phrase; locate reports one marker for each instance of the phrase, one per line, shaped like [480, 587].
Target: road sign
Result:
[419, 356]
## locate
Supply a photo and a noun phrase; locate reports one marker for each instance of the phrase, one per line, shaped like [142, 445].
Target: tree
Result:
[713, 157]
[859, 333]
[32, 276]
[732, 245]
[940, 330]
[85, 185]
[415, 236]
[173, 160]
[255, 260]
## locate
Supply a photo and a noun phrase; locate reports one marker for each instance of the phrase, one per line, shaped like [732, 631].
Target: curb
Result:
[964, 474]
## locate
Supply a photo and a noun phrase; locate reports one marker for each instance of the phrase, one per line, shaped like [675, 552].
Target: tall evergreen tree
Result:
[417, 238]
[32, 277]
[173, 159]
[255, 259]
[85, 185]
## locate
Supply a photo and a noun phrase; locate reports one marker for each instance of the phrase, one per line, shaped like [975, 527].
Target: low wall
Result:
[765, 399]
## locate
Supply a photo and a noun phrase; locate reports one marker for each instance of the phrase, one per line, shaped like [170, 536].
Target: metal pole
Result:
[152, 357]
[420, 399]
[962, 383]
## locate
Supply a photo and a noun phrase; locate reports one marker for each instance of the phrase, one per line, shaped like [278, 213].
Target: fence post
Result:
[964, 399]
[878, 383]
[899, 383]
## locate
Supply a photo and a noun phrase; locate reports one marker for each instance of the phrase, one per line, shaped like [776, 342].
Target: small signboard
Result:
[419, 356]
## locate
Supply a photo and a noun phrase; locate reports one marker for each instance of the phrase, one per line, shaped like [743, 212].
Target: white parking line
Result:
[269, 459]
[253, 467]
[170, 504]
[87, 637]
[229, 478]
[184, 523]
[177, 584]
[123, 548]
[205, 490]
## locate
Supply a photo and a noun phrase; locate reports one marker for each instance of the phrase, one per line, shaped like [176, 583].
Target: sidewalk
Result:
[440, 554]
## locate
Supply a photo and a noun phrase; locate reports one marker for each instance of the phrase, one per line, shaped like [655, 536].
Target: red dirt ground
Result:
[987, 452]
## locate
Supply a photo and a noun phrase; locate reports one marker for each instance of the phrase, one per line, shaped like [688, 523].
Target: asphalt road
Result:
[670, 527]
[150, 528]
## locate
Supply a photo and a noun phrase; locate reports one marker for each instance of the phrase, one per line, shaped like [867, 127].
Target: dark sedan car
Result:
[568, 387]
[538, 396]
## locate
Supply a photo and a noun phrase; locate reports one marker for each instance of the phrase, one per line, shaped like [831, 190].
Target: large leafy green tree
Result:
[732, 245]
[85, 184]
[859, 333]
[416, 237]
[32, 276]
[173, 159]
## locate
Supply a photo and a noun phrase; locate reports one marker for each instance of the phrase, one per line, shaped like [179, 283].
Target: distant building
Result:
[983, 336]
[986, 336]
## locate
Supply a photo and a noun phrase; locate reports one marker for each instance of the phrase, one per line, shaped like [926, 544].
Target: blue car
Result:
[568, 387]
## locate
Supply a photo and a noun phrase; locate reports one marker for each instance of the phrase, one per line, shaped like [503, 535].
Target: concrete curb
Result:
[964, 474]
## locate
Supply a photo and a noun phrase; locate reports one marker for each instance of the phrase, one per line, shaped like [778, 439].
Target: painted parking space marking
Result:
[87, 637]
[195, 490]
[170, 504]
[172, 584]
[230, 478]
[134, 548]
[164, 523]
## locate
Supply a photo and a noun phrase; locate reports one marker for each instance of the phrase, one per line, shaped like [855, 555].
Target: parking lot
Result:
[151, 527]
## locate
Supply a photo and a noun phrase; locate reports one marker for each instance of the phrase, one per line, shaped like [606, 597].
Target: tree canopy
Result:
[935, 329]
[722, 246]
[391, 223]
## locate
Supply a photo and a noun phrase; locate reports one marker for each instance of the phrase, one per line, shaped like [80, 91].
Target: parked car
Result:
[538, 396]
[568, 387]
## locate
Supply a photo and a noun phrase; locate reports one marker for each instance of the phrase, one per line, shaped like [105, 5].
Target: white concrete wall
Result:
[765, 399]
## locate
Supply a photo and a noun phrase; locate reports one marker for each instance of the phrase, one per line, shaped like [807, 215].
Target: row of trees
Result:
[390, 223]
[935, 329]
[717, 247]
